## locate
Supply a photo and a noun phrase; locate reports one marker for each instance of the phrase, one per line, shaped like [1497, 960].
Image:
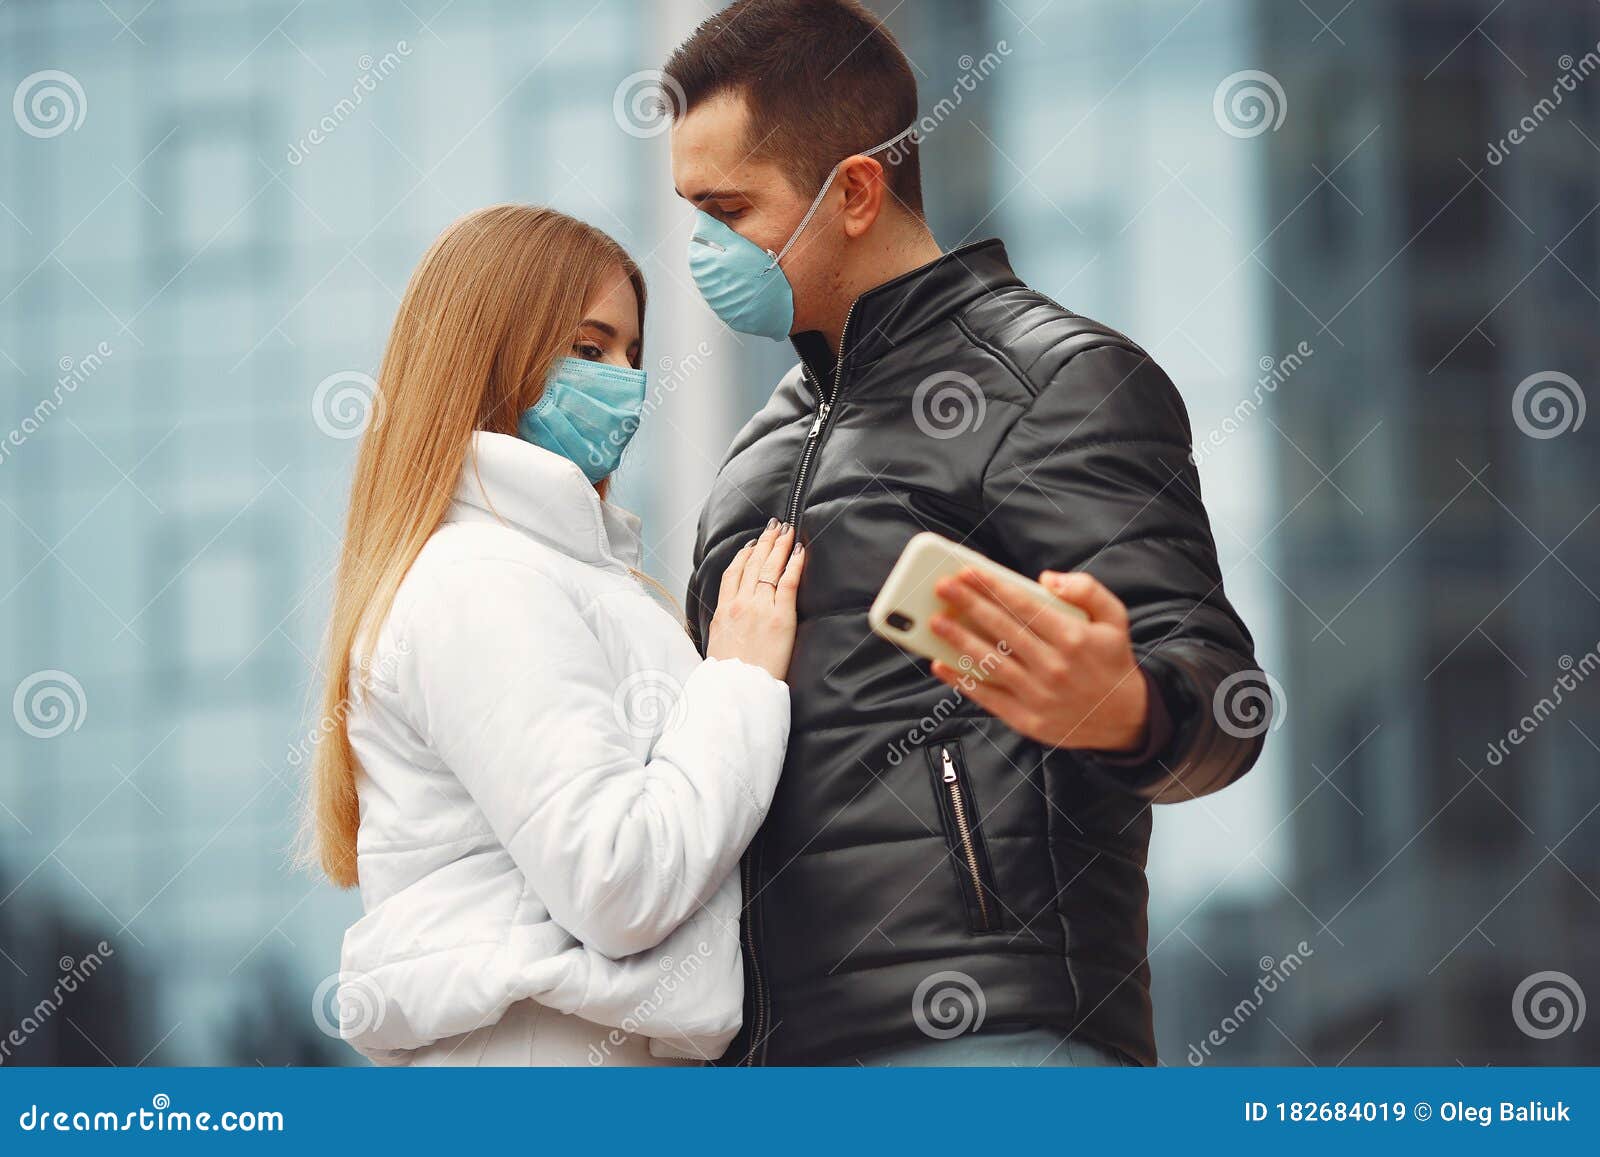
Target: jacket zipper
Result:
[758, 982]
[807, 455]
[969, 848]
[814, 437]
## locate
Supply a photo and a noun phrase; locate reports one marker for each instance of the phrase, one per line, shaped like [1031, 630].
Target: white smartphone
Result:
[903, 607]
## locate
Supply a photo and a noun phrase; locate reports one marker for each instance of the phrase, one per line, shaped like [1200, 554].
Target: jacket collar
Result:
[509, 481]
[897, 310]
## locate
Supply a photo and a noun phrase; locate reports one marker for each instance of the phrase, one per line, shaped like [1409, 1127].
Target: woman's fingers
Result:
[755, 566]
[789, 583]
[732, 577]
[759, 628]
[777, 559]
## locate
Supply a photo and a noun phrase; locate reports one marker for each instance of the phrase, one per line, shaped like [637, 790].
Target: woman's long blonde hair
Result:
[494, 304]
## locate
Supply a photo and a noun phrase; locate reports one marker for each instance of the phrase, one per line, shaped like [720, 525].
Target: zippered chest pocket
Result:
[962, 818]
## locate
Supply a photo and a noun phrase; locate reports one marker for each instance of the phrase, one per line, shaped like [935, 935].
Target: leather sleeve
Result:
[1158, 733]
[1096, 476]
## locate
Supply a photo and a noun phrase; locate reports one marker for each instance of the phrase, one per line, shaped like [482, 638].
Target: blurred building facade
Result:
[202, 262]
[1437, 532]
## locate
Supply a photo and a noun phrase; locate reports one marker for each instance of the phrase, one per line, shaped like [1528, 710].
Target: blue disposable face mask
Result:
[588, 413]
[743, 283]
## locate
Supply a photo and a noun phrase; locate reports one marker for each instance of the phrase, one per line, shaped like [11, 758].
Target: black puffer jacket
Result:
[970, 405]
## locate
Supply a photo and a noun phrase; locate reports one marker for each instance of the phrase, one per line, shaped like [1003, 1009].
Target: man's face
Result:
[713, 169]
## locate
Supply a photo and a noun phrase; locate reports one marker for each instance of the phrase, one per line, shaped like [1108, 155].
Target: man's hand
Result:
[1057, 679]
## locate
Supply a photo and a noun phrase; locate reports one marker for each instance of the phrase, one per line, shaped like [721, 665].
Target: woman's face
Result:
[609, 331]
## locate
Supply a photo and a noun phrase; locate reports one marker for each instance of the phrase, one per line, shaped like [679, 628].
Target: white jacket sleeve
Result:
[512, 690]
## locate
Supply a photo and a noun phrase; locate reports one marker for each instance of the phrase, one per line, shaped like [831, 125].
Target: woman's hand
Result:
[755, 618]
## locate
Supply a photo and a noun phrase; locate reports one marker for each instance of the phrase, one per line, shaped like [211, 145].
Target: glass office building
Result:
[1448, 863]
[228, 229]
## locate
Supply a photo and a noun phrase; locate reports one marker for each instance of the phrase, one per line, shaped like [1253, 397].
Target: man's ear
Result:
[865, 190]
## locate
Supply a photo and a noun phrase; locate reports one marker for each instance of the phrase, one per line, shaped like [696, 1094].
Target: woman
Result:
[539, 786]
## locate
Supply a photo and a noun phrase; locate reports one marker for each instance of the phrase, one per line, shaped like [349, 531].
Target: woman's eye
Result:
[588, 351]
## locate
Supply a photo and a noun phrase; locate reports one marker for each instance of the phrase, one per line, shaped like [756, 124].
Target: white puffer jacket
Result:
[555, 788]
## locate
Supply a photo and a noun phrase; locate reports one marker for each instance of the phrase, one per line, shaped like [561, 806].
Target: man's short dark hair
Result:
[823, 79]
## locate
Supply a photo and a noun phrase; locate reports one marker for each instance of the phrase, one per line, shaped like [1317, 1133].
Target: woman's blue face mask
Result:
[588, 413]
[743, 283]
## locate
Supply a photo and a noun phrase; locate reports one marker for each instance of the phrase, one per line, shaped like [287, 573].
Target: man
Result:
[952, 870]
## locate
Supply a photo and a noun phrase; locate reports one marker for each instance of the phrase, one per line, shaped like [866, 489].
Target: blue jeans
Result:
[1033, 1047]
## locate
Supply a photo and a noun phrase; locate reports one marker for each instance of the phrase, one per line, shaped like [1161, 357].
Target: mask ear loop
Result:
[816, 202]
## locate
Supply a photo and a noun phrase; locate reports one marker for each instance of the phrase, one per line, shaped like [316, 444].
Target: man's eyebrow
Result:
[705, 195]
